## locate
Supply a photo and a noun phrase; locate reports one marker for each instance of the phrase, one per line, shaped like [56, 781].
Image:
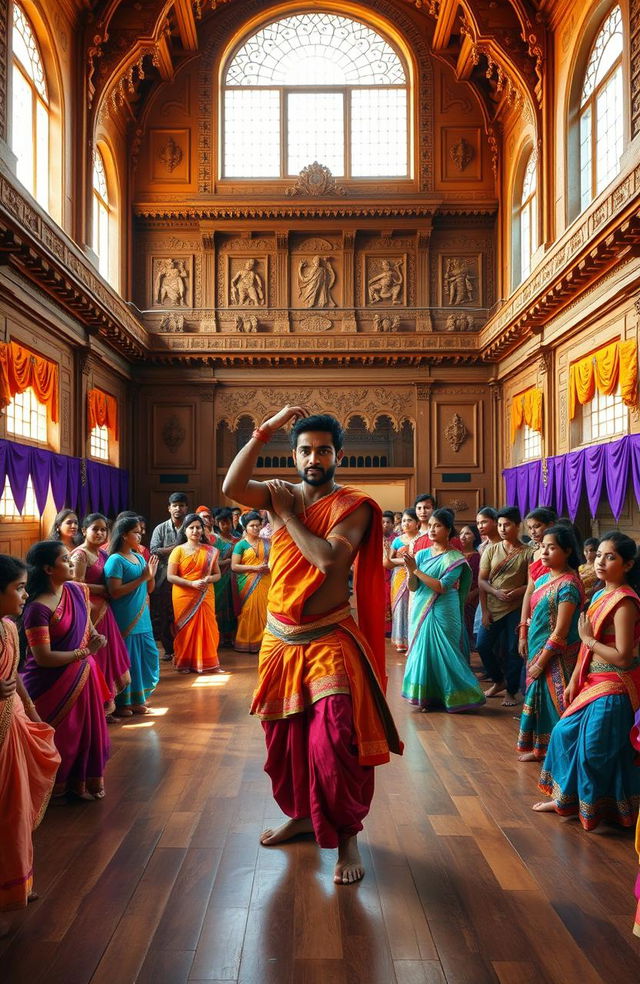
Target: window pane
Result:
[99, 443]
[8, 508]
[252, 133]
[315, 130]
[379, 133]
[26, 50]
[606, 48]
[525, 242]
[22, 128]
[609, 105]
[531, 443]
[604, 416]
[42, 155]
[27, 417]
[586, 191]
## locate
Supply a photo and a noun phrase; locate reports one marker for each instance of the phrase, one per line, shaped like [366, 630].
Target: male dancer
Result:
[321, 677]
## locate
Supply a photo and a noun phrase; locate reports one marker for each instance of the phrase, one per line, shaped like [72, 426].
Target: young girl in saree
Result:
[437, 671]
[192, 571]
[60, 675]
[552, 642]
[29, 759]
[249, 562]
[401, 547]
[590, 768]
[65, 529]
[225, 542]
[130, 580]
[88, 561]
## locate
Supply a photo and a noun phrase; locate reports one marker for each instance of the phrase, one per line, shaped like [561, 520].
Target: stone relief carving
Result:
[173, 434]
[458, 280]
[246, 323]
[316, 324]
[315, 181]
[315, 281]
[170, 282]
[172, 322]
[386, 323]
[247, 286]
[461, 153]
[388, 283]
[458, 505]
[170, 155]
[459, 322]
[456, 432]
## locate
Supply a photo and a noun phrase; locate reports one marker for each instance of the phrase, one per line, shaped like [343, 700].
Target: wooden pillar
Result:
[282, 322]
[349, 320]
[423, 279]
[496, 433]
[422, 439]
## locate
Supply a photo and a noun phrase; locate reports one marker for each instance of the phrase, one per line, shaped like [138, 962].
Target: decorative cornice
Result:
[161, 211]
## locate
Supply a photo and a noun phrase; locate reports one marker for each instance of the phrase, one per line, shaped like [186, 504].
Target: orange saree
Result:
[305, 659]
[195, 643]
[29, 762]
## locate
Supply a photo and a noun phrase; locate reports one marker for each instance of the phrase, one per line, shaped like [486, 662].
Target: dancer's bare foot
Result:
[349, 868]
[289, 829]
[5, 928]
[546, 806]
[32, 897]
[527, 757]
[511, 700]
[497, 690]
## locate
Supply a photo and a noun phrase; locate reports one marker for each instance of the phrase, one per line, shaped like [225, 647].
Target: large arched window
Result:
[602, 110]
[30, 110]
[527, 218]
[315, 87]
[100, 214]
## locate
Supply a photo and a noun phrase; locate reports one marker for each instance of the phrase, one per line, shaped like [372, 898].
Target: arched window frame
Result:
[105, 207]
[29, 76]
[524, 230]
[387, 34]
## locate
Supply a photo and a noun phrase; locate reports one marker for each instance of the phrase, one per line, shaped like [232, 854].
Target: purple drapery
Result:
[585, 472]
[105, 489]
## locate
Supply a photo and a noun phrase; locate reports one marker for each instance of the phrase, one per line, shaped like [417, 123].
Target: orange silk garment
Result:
[347, 659]
[29, 762]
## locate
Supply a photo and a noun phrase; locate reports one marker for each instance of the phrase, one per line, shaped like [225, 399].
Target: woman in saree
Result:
[29, 759]
[65, 529]
[590, 767]
[470, 539]
[587, 571]
[225, 541]
[401, 547]
[61, 675]
[388, 536]
[437, 671]
[130, 580]
[249, 563]
[552, 642]
[88, 562]
[192, 571]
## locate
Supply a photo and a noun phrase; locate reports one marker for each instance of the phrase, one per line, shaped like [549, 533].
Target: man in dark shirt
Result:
[163, 540]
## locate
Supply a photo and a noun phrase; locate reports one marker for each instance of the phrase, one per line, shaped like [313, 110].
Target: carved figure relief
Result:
[461, 153]
[456, 432]
[170, 155]
[315, 281]
[170, 282]
[247, 286]
[173, 434]
[386, 324]
[388, 283]
[315, 181]
[246, 323]
[458, 280]
[459, 322]
[172, 322]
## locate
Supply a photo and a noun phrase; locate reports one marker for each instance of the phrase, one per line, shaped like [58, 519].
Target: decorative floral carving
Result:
[456, 432]
[461, 153]
[170, 155]
[458, 505]
[315, 181]
[172, 322]
[386, 323]
[173, 434]
[316, 324]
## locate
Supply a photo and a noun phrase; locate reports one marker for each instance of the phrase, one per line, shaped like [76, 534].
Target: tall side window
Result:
[602, 110]
[27, 417]
[527, 218]
[30, 110]
[101, 214]
[315, 87]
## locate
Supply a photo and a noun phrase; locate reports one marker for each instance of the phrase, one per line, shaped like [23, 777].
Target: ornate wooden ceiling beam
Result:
[446, 13]
[183, 10]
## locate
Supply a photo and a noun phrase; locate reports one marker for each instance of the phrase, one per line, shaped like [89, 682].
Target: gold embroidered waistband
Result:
[309, 630]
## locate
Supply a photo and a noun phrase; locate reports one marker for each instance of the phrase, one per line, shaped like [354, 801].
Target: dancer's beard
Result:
[319, 476]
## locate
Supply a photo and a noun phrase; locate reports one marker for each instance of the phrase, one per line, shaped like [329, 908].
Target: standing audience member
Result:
[470, 539]
[142, 549]
[249, 562]
[163, 540]
[537, 522]
[424, 506]
[65, 528]
[238, 530]
[397, 523]
[550, 642]
[88, 562]
[589, 770]
[130, 580]
[60, 675]
[437, 671]
[401, 546]
[192, 571]
[206, 516]
[225, 542]
[504, 569]
[487, 523]
[388, 536]
[587, 570]
[29, 759]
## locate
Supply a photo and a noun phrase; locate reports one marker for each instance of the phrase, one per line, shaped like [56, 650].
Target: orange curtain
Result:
[103, 409]
[20, 368]
[603, 370]
[526, 408]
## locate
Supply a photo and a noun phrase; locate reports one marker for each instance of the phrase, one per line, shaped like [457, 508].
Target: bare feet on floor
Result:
[527, 757]
[545, 806]
[289, 829]
[497, 690]
[511, 700]
[349, 868]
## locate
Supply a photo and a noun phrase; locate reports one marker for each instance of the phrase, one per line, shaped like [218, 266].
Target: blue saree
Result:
[437, 671]
[134, 621]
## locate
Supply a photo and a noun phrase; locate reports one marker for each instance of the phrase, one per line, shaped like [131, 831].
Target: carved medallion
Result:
[171, 154]
[315, 181]
[172, 322]
[458, 505]
[461, 153]
[173, 434]
[455, 432]
[316, 324]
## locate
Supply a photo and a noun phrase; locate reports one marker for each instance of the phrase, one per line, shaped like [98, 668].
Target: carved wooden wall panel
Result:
[173, 436]
[458, 430]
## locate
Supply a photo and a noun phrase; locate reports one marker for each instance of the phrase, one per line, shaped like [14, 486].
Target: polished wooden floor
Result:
[164, 882]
